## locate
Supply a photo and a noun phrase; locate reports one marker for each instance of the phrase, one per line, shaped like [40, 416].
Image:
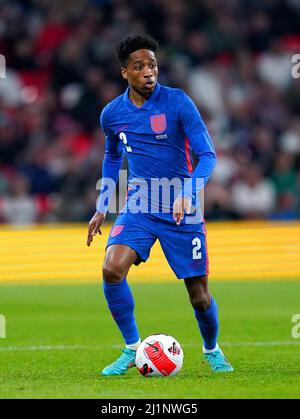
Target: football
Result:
[159, 355]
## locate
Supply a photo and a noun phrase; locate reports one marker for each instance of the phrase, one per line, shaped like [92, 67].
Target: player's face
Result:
[141, 71]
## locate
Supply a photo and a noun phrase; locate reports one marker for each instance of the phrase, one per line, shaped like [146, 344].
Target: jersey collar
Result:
[147, 105]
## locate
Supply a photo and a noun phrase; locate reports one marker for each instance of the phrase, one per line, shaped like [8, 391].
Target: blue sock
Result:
[121, 304]
[209, 325]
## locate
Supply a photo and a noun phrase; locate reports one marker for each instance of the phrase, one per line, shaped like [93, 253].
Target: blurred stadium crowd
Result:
[232, 56]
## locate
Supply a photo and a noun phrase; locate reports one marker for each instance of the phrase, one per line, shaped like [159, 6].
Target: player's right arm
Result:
[112, 162]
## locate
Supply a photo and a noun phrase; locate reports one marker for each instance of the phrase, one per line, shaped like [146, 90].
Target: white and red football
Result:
[159, 355]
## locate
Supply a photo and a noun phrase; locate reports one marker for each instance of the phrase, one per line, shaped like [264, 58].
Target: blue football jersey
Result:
[156, 137]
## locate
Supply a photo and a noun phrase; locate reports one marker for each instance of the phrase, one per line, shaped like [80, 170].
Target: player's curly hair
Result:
[133, 43]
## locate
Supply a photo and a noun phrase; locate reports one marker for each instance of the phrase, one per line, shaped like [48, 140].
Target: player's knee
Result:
[200, 302]
[112, 272]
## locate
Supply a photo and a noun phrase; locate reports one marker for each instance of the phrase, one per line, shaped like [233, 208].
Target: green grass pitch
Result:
[60, 336]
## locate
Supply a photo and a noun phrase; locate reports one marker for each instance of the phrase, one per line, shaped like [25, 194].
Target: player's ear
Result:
[124, 73]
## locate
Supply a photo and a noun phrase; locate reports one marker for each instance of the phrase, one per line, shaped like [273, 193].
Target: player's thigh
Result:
[135, 231]
[185, 249]
[118, 260]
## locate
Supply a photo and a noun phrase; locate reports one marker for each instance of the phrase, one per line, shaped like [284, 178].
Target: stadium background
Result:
[234, 59]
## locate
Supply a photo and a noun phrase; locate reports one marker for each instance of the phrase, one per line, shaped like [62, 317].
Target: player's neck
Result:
[137, 98]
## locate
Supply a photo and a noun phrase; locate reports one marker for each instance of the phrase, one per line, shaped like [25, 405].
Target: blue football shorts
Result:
[184, 245]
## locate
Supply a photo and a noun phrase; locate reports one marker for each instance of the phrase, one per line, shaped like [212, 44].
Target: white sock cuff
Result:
[134, 346]
[209, 351]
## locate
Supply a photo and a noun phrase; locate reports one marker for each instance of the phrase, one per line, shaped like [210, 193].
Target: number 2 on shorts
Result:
[196, 242]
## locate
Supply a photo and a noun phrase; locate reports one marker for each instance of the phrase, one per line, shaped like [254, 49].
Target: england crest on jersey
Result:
[158, 123]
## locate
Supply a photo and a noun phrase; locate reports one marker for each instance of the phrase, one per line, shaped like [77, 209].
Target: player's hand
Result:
[94, 226]
[181, 205]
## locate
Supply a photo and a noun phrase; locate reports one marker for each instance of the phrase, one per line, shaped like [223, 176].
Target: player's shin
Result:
[121, 304]
[208, 323]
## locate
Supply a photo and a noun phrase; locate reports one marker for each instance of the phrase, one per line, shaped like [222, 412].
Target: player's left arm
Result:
[199, 139]
[202, 145]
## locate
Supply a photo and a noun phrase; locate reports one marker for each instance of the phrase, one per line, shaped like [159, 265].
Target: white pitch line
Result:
[95, 347]
[270, 343]
[50, 347]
